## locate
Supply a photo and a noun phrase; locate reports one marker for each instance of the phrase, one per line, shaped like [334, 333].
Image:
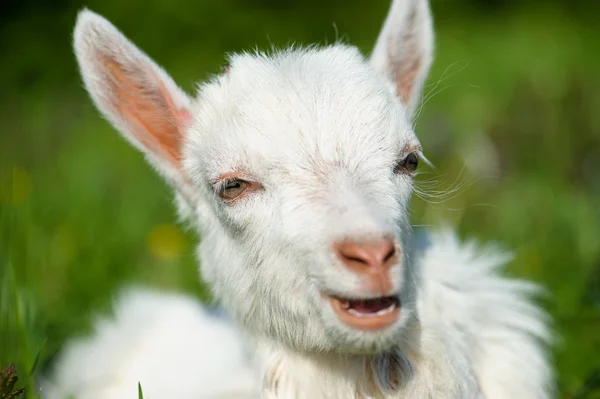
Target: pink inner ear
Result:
[405, 79]
[143, 102]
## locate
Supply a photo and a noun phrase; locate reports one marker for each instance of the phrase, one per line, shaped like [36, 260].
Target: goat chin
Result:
[478, 335]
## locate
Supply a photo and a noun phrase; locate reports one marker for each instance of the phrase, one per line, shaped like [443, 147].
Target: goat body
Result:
[297, 169]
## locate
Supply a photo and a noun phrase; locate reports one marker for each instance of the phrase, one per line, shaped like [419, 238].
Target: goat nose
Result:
[362, 257]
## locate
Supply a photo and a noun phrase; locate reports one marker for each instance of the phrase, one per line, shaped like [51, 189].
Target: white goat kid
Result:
[297, 170]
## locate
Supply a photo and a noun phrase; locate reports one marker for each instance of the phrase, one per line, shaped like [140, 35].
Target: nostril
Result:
[351, 258]
[391, 252]
[353, 255]
[371, 254]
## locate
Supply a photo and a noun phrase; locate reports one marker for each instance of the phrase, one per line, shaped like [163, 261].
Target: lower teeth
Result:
[381, 312]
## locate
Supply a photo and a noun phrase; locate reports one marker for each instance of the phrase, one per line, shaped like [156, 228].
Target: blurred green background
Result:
[511, 122]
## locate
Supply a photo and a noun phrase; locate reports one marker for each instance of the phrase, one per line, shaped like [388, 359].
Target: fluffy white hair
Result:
[169, 343]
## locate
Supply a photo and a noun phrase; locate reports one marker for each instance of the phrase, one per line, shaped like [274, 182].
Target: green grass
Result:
[513, 120]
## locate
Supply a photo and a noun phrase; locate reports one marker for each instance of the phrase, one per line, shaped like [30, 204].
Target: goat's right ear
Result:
[134, 93]
[404, 49]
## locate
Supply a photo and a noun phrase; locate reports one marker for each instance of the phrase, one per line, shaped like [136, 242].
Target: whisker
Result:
[434, 90]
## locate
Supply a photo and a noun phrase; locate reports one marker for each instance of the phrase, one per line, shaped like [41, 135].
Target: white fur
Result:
[168, 343]
[319, 133]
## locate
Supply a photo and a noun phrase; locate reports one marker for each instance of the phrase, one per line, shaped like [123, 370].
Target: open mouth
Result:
[367, 314]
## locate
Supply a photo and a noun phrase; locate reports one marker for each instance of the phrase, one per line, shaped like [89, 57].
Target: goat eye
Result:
[233, 189]
[408, 164]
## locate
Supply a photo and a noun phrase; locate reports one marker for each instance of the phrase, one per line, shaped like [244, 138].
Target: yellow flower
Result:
[165, 241]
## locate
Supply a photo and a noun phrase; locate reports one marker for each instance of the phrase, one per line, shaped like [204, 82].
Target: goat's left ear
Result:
[134, 93]
[404, 49]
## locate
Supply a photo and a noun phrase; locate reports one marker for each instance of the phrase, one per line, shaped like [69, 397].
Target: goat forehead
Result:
[310, 108]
